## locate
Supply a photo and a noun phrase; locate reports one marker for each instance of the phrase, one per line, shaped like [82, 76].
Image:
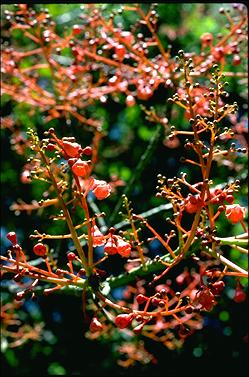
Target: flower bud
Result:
[12, 237]
[71, 256]
[95, 325]
[20, 295]
[40, 250]
[120, 51]
[123, 320]
[206, 39]
[77, 29]
[138, 329]
[130, 101]
[141, 299]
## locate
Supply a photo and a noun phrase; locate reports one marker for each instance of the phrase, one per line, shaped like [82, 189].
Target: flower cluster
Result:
[96, 61]
[113, 244]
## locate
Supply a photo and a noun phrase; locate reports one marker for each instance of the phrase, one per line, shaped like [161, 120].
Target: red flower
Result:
[123, 247]
[98, 237]
[80, 168]
[117, 244]
[110, 247]
[235, 213]
[217, 196]
[193, 203]
[101, 189]
[206, 299]
[71, 149]
[217, 287]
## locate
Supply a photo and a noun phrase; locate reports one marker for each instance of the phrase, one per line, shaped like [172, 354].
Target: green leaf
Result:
[55, 369]
[224, 316]
[145, 133]
[11, 358]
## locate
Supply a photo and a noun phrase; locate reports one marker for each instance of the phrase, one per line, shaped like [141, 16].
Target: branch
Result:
[152, 266]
